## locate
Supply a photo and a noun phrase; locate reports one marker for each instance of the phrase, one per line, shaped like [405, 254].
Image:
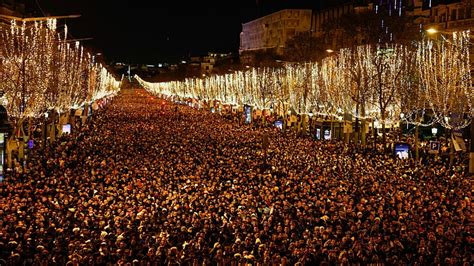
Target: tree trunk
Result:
[52, 131]
[363, 134]
[356, 133]
[29, 136]
[471, 149]
[347, 135]
[21, 149]
[30, 126]
[332, 128]
[86, 109]
[9, 153]
[417, 151]
[303, 124]
[384, 140]
[44, 131]
[341, 126]
[297, 126]
[451, 149]
[384, 137]
[11, 141]
[374, 130]
[321, 132]
[73, 121]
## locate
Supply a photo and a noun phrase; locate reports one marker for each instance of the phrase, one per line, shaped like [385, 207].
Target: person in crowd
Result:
[137, 186]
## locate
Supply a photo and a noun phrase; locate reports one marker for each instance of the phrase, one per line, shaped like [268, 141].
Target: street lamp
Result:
[432, 31]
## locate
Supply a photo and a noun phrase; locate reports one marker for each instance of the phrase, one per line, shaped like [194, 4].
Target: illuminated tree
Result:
[23, 75]
[414, 104]
[25, 51]
[389, 66]
[379, 82]
[357, 71]
[445, 74]
[41, 70]
[333, 98]
[282, 94]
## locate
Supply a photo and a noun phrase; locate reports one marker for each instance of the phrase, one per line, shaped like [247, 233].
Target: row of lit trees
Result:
[41, 70]
[386, 83]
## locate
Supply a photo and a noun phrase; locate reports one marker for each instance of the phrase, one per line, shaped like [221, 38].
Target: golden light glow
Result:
[40, 70]
[377, 82]
[432, 30]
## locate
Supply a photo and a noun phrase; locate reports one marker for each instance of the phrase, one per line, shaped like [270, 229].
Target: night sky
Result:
[154, 31]
[148, 31]
[141, 32]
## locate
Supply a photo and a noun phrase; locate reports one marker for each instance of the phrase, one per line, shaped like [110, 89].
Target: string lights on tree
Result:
[377, 82]
[444, 70]
[41, 70]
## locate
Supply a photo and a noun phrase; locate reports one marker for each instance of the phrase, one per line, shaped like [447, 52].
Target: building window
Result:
[453, 14]
[461, 13]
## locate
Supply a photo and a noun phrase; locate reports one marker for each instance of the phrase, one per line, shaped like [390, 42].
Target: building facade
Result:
[8, 9]
[12, 8]
[271, 32]
[323, 19]
[456, 16]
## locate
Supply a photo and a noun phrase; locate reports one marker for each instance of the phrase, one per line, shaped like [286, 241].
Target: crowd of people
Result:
[147, 182]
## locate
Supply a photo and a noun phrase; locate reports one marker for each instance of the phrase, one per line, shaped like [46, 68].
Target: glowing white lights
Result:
[40, 69]
[378, 82]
